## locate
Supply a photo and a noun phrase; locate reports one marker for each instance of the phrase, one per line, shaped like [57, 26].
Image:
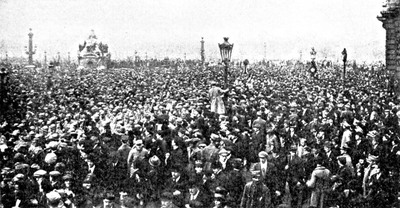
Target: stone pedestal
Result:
[390, 17]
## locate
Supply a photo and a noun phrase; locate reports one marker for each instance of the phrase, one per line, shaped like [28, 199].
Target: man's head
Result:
[53, 199]
[216, 167]
[263, 156]
[166, 199]
[193, 187]
[108, 200]
[256, 176]
[198, 166]
[175, 173]
[327, 146]
[139, 144]
[293, 149]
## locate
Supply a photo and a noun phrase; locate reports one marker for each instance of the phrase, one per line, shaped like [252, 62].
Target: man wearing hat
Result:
[176, 184]
[54, 200]
[319, 183]
[137, 153]
[257, 143]
[256, 193]
[347, 134]
[261, 123]
[236, 182]
[272, 140]
[55, 179]
[215, 95]
[225, 158]
[267, 171]
[220, 198]
[154, 175]
[368, 171]
[108, 201]
[218, 177]
[295, 175]
[211, 151]
[376, 143]
[196, 196]
[42, 185]
[330, 157]
[167, 200]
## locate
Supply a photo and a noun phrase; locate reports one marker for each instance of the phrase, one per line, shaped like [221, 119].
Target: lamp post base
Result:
[226, 76]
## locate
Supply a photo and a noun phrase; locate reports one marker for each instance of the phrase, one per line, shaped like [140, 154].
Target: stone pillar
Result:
[30, 51]
[390, 17]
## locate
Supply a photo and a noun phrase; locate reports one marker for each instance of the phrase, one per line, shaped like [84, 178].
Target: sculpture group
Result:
[93, 54]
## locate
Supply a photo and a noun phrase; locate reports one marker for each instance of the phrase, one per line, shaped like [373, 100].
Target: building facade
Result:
[390, 17]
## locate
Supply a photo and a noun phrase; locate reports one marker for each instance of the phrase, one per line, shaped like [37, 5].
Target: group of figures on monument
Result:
[93, 53]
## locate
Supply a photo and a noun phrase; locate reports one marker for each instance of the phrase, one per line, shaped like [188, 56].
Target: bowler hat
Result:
[154, 161]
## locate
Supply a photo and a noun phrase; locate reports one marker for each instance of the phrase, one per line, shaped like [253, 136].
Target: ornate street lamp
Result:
[245, 63]
[3, 90]
[225, 49]
[344, 57]
[313, 68]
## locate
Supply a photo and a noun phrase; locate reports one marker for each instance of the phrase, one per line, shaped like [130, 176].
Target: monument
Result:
[93, 54]
[203, 57]
[390, 17]
[30, 51]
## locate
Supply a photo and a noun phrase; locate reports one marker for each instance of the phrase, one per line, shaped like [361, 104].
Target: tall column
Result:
[30, 50]
[203, 58]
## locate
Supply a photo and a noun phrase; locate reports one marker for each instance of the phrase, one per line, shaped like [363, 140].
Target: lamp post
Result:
[313, 68]
[245, 63]
[344, 56]
[225, 49]
[265, 51]
[30, 51]
[203, 58]
[3, 84]
[45, 60]
[301, 55]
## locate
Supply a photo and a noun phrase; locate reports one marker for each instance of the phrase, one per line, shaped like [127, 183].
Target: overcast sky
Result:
[175, 27]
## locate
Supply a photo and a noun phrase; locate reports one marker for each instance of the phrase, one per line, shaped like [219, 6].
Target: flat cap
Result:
[263, 154]
[39, 173]
[54, 173]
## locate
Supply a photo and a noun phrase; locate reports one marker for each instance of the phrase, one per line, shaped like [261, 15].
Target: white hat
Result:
[53, 197]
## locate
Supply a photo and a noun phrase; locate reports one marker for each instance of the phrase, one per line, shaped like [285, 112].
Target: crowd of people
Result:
[157, 137]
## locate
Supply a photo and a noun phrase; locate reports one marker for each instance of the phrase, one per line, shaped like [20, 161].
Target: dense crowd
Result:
[154, 137]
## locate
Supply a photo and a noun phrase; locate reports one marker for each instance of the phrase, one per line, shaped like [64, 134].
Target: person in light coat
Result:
[319, 184]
